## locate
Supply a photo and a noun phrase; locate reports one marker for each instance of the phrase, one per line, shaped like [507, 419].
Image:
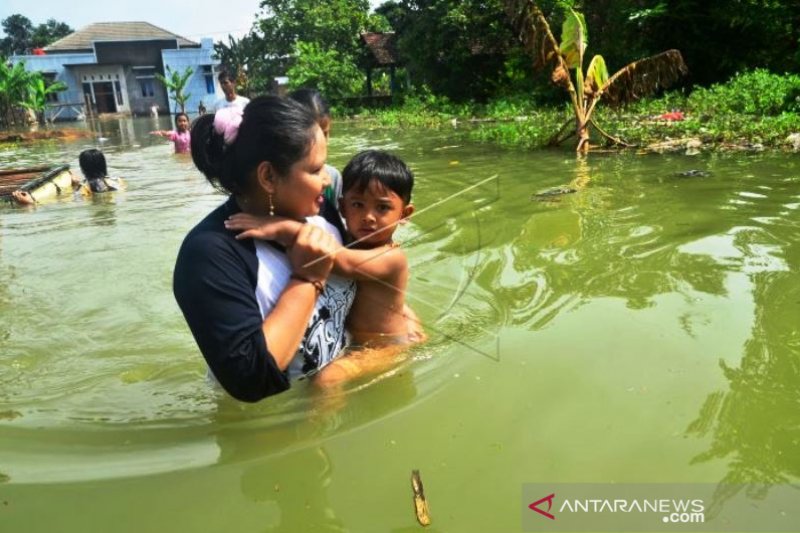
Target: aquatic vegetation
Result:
[631, 82]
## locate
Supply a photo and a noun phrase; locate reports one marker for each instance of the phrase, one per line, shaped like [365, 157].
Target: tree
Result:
[49, 32]
[22, 36]
[18, 30]
[244, 59]
[334, 25]
[326, 70]
[38, 91]
[14, 83]
[458, 48]
[175, 83]
[637, 79]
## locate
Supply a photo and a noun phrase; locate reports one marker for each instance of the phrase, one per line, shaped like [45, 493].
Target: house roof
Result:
[382, 47]
[114, 31]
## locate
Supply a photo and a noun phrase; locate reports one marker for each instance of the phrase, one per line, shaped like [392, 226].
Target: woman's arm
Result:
[213, 284]
[310, 257]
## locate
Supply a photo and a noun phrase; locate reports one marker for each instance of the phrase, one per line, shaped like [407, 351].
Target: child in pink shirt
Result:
[180, 136]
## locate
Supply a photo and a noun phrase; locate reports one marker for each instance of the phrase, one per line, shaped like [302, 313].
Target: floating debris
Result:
[693, 174]
[420, 503]
[549, 194]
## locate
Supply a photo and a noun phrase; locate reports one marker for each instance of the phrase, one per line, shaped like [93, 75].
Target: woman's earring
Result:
[271, 207]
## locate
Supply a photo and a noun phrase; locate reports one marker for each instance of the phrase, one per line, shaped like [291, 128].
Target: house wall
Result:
[92, 74]
[196, 86]
[56, 64]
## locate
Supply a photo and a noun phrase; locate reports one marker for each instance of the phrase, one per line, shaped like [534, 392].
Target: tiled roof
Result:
[382, 46]
[114, 31]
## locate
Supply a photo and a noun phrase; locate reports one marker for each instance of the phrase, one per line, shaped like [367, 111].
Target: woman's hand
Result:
[266, 228]
[311, 255]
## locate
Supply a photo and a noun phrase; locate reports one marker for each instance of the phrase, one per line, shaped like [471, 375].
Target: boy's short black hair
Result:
[388, 169]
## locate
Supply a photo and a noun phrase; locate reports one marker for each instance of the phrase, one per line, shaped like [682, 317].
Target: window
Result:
[146, 76]
[50, 79]
[87, 93]
[148, 88]
[118, 90]
[208, 74]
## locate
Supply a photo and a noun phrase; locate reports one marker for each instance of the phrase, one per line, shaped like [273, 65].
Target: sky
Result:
[192, 19]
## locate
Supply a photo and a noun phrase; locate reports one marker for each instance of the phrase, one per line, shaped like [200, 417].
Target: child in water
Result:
[180, 136]
[377, 197]
[93, 166]
[95, 172]
[313, 100]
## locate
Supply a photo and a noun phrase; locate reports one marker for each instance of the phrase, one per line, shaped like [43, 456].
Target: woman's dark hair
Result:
[274, 129]
[93, 164]
[312, 100]
[179, 115]
[389, 170]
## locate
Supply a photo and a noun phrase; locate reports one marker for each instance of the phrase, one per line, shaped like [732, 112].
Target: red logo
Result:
[549, 500]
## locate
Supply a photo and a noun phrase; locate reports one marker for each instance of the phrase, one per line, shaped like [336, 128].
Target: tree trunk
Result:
[582, 131]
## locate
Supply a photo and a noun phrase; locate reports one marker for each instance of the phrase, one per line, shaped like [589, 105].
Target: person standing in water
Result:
[180, 136]
[231, 99]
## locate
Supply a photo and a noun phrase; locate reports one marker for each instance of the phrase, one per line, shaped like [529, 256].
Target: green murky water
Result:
[643, 329]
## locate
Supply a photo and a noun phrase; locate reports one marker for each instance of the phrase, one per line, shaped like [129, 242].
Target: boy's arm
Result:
[269, 228]
[383, 263]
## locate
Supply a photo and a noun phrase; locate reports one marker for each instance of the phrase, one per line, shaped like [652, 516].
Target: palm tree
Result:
[633, 81]
[175, 84]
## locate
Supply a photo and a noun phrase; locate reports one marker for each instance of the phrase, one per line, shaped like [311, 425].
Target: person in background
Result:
[313, 100]
[231, 99]
[95, 173]
[180, 136]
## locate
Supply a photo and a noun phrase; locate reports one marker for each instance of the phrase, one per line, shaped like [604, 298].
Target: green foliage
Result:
[22, 36]
[758, 92]
[574, 39]
[458, 48]
[330, 72]
[175, 83]
[20, 88]
[333, 25]
[243, 58]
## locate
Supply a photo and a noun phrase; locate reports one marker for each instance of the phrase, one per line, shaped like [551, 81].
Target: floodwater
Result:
[641, 329]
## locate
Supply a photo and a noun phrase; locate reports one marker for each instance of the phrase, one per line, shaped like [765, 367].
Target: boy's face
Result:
[372, 214]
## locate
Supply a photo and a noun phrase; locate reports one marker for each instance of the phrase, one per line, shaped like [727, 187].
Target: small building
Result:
[110, 67]
[381, 54]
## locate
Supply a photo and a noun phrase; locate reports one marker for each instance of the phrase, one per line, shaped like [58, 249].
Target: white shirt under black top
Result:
[226, 287]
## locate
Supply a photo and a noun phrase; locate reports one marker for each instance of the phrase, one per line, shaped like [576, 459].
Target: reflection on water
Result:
[571, 340]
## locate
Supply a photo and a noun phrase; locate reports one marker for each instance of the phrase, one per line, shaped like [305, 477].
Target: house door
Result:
[104, 97]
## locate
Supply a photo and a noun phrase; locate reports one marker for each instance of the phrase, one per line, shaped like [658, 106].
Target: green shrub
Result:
[758, 92]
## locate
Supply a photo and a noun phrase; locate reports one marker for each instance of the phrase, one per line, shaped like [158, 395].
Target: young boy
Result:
[377, 197]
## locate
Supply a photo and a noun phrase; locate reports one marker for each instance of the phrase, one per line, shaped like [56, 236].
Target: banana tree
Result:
[38, 91]
[175, 82]
[588, 88]
[14, 83]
